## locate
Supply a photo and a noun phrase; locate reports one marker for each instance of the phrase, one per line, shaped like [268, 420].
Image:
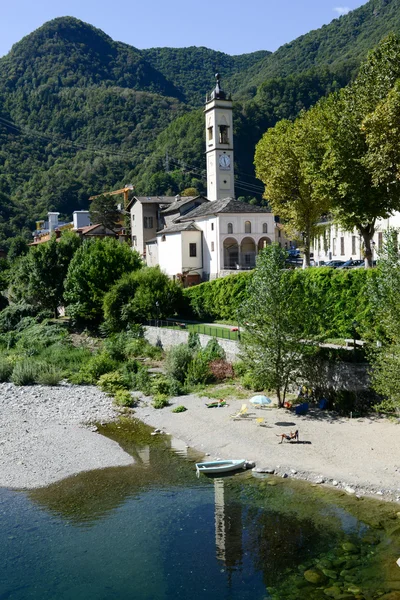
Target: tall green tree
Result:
[18, 247]
[139, 296]
[94, 269]
[38, 276]
[274, 322]
[358, 198]
[382, 129]
[103, 210]
[286, 159]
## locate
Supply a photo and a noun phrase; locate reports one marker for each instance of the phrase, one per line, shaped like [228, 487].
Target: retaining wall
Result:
[172, 337]
[343, 376]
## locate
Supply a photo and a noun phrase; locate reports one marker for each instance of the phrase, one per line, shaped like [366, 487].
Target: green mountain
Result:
[192, 70]
[345, 40]
[81, 113]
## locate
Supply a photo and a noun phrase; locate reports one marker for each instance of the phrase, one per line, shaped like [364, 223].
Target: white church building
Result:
[197, 238]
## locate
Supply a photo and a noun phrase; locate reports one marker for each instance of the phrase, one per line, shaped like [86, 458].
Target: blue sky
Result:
[232, 26]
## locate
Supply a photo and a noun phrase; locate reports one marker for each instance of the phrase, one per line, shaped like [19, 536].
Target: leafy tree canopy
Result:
[140, 296]
[95, 267]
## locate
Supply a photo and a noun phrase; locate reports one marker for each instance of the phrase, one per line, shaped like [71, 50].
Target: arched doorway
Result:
[263, 243]
[231, 253]
[248, 252]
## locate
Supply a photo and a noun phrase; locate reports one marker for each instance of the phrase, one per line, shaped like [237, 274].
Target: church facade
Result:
[201, 238]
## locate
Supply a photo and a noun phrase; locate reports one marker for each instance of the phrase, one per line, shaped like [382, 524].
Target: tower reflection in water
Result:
[228, 528]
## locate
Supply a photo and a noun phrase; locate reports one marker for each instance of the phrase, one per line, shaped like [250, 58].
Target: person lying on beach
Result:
[293, 435]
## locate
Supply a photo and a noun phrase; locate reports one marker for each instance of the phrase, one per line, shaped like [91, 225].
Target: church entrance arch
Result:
[231, 253]
[248, 251]
[263, 243]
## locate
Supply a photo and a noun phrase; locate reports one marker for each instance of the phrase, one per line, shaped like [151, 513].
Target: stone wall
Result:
[172, 337]
[343, 376]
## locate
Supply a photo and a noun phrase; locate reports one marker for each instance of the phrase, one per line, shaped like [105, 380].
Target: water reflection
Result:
[228, 528]
[153, 530]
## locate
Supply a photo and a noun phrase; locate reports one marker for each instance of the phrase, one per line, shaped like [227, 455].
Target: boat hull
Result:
[220, 466]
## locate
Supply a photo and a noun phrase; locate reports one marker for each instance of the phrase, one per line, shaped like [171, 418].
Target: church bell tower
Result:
[219, 144]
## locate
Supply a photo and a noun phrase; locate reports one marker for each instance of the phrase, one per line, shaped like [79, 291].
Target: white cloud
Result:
[342, 10]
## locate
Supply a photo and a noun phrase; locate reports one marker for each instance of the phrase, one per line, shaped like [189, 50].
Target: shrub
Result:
[160, 385]
[96, 367]
[160, 401]
[221, 370]
[213, 351]
[48, 374]
[179, 409]
[115, 346]
[112, 382]
[124, 398]
[194, 341]
[175, 387]
[137, 377]
[24, 372]
[177, 362]
[141, 347]
[6, 369]
[12, 315]
[199, 370]
[250, 381]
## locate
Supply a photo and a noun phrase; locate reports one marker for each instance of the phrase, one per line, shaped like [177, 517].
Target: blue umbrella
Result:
[260, 400]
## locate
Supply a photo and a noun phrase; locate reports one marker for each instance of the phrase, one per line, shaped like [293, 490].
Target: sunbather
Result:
[293, 435]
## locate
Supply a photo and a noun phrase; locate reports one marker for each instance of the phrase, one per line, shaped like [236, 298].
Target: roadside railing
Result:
[225, 333]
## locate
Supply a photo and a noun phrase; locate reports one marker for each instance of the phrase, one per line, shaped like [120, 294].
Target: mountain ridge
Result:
[80, 112]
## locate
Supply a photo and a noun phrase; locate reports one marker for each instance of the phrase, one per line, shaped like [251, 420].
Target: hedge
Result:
[217, 299]
[338, 296]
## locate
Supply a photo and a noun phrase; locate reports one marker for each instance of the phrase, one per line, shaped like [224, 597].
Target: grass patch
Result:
[225, 392]
[179, 409]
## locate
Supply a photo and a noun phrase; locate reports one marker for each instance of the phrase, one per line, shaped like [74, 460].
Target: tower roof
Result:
[218, 93]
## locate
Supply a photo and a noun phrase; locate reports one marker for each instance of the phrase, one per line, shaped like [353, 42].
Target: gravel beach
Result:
[361, 456]
[45, 434]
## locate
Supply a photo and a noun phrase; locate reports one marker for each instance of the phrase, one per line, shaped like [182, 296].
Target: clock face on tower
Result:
[224, 161]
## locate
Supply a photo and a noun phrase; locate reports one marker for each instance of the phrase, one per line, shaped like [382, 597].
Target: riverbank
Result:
[361, 456]
[45, 434]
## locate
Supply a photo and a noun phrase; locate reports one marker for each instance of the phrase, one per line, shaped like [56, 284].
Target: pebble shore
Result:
[48, 433]
[359, 456]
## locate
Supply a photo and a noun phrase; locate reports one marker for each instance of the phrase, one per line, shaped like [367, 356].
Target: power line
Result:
[239, 183]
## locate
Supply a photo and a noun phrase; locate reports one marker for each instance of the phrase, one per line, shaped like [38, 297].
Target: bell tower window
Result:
[223, 134]
[210, 133]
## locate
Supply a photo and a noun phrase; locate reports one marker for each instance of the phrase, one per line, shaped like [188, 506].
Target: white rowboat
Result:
[220, 466]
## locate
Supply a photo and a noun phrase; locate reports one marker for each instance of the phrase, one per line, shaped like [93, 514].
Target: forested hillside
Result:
[81, 113]
[346, 39]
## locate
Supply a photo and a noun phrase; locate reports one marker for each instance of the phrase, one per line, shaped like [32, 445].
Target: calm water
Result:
[155, 531]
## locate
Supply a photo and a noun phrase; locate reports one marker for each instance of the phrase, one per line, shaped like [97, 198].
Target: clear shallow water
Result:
[155, 531]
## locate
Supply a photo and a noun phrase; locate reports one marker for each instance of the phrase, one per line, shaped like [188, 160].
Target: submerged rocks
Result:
[349, 547]
[314, 576]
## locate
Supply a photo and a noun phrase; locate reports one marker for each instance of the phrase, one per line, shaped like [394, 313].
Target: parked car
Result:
[352, 263]
[334, 263]
[294, 261]
[293, 252]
